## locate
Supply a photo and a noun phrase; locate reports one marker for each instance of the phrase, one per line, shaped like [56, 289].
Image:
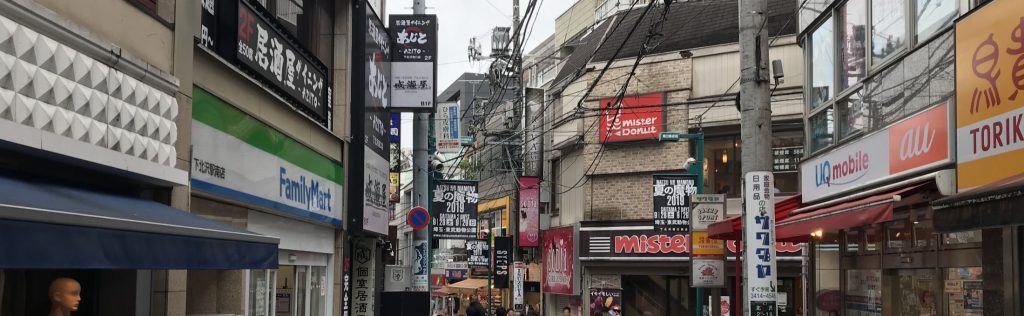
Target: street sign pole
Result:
[698, 169]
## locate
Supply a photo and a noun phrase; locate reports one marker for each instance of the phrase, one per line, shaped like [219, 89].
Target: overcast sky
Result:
[460, 20]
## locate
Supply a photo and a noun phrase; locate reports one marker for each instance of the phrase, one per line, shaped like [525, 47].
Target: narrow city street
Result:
[511, 157]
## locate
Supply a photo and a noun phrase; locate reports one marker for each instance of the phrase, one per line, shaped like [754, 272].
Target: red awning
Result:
[869, 210]
[729, 228]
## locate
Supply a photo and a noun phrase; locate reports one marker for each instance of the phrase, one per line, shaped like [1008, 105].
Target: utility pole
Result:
[755, 115]
[420, 176]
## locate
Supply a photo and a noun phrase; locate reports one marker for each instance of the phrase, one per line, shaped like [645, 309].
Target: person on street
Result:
[501, 311]
[566, 311]
[475, 308]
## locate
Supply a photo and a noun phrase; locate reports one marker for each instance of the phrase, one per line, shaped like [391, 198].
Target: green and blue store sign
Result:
[236, 156]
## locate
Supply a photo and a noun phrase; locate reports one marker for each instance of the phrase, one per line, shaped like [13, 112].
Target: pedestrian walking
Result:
[475, 308]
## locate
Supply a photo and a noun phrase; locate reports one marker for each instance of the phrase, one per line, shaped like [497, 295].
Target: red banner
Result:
[638, 118]
[559, 254]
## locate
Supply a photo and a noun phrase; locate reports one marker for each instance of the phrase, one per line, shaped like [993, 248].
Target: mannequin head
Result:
[65, 294]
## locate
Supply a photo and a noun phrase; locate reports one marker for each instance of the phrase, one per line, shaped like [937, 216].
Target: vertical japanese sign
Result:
[415, 52]
[605, 300]
[446, 127]
[707, 255]
[364, 281]
[420, 273]
[759, 244]
[454, 209]
[479, 252]
[518, 278]
[276, 59]
[395, 172]
[990, 94]
[529, 211]
[559, 256]
[369, 204]
[502, 257]
[672, 202]
[208, 24]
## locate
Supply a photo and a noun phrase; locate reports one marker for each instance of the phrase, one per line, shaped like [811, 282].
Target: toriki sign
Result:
[990, 102]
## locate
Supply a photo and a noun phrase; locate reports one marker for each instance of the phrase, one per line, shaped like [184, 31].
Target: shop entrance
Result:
[655, 295]
[300, 291]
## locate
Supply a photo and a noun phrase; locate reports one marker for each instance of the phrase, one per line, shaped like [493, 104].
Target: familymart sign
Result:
[239, 157]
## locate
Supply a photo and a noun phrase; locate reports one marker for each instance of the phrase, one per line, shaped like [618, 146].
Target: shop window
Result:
[822, 64]
[863, 292]
[854, 241]
[934, 15]
[898, 236]
[823, 129]
[853, 115]
[853, 18]
[888, 29]
[962, 238]
[924, 234]
[963, 291]
[162, 10]
[261, 297]
[911, 292]
[873, 236]
[722, 166]
[827, 295]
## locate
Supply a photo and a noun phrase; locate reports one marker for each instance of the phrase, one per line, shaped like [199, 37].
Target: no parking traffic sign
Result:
[418, 218]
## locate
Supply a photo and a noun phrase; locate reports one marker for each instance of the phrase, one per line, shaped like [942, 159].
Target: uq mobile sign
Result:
[371, 97]
[917, 143]
[277, 172]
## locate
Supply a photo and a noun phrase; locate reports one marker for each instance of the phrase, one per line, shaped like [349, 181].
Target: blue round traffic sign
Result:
[418, 218]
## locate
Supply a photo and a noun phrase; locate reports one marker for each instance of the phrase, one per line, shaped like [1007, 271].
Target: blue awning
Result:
[47, 226]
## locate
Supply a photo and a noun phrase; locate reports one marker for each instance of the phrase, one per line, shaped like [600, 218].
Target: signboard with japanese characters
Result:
[759, 235]
[370, 205]
[276, 59]
[518, 277]
[479, 252]
[502, 258]
[415, 58]
[787, 159]
[208, 24]
[672, 202]
[707, 255]
[989, 94]
[605, 300]
[446, 128]
[454, 209]
[364, 280]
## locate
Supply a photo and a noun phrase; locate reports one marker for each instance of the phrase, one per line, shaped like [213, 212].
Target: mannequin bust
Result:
[65, 294]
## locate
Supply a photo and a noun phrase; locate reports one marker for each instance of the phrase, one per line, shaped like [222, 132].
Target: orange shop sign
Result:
[990, 94]
[921, 140]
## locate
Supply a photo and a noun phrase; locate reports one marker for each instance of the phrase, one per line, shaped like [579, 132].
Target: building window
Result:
[853, 115]
[888, 29]
[884, 95]
[163, 10]
[822, 64]
[934, 15]
[823, 129]
[853, 18]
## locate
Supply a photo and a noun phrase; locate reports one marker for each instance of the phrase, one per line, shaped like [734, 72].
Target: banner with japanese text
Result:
[672, 193]
[529, 211]
[759, 270]
[558, 266]
[454, 209]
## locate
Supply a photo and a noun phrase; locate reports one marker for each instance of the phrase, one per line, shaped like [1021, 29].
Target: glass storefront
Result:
[291, 290]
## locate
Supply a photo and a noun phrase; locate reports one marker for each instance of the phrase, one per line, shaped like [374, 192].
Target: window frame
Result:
[152, 8]
[873, 69]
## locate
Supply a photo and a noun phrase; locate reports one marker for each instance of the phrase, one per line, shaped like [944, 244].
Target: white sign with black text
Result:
[758, 248]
